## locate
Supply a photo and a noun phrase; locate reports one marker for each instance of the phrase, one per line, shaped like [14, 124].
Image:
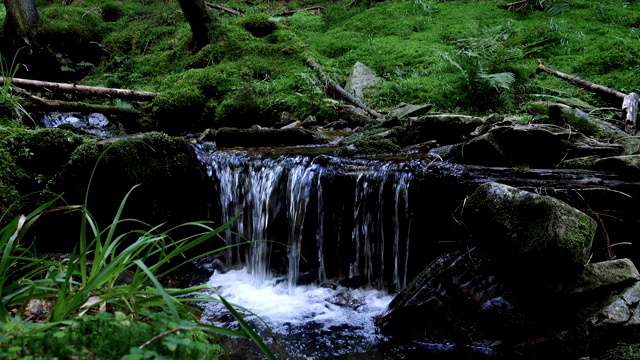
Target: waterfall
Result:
[293, 213]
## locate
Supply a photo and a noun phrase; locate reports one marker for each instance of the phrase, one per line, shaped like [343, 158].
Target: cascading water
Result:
[295, 216]
[282, 210]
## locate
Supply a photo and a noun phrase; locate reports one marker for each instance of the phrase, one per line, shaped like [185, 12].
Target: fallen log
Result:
[341, 90]
[311, 10]
[629, 102]
[83, 90]
[224, 8]
[38, 103]
[580, 82]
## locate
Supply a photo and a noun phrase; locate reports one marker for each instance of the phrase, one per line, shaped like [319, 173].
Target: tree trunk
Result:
[198, 18]
[21, 23]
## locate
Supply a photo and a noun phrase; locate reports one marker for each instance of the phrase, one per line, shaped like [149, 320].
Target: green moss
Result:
[259, 25]
[371, 145]
[179, 103]
[73, 33]
[112, 12]
[28, 161]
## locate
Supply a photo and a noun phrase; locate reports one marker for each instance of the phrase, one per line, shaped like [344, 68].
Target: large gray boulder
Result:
[533, 234]
[361, 77]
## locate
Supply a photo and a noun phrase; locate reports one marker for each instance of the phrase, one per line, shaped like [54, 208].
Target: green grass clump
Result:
[86, 282]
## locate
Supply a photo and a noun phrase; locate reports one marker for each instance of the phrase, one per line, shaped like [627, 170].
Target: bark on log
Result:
[341, 90]
[311, 10]
[581, 82]
[83, 90]
[630, 105]
[629, 102]
[224, 8]
[38, 103]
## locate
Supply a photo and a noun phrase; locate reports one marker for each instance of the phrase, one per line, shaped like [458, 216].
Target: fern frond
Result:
[500, 81]
[557, 7]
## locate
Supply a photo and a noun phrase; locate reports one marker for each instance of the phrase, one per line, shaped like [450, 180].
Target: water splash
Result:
[313, 322]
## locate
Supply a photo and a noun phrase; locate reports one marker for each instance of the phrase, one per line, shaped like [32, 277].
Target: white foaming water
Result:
[310, 322]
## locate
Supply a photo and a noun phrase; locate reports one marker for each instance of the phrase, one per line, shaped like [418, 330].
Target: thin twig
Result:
[162, 334]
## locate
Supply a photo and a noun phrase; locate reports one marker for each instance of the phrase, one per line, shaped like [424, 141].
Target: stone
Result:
[444, 128]
[536, 145]
[626, 165]
[263, 137]
[361, 77]
[604, 275]
[409, 110]
[532, 234]
[295, 124]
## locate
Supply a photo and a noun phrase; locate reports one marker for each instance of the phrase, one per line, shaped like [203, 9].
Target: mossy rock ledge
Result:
[172, 185]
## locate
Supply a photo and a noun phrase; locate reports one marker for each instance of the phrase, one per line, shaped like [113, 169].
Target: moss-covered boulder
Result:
[626, 165]
[173, 186]
[30, 159]
[367, 146]
[259, 25]
[530, 233]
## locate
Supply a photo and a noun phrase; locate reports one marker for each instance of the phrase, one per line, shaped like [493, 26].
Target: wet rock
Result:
[461, 298]
[171, 183]
[533, 234]
[409, 110]
[372, 145]
[354, 115]
[310, 121]
[264, 137]
[444, 128]
[361, 77]
[605, 275]
[537, 145]
[626, 165]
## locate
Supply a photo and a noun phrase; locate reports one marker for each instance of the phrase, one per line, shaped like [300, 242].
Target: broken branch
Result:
[224, 8]
[630, 105]
[580, 82]
[341, 90]
[629, 102]
[311, 10]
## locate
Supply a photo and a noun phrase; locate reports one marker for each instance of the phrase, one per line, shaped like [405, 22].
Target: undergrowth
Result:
[77, 306]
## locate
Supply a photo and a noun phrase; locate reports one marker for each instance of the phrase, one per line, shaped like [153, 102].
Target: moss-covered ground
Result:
[463, 56]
